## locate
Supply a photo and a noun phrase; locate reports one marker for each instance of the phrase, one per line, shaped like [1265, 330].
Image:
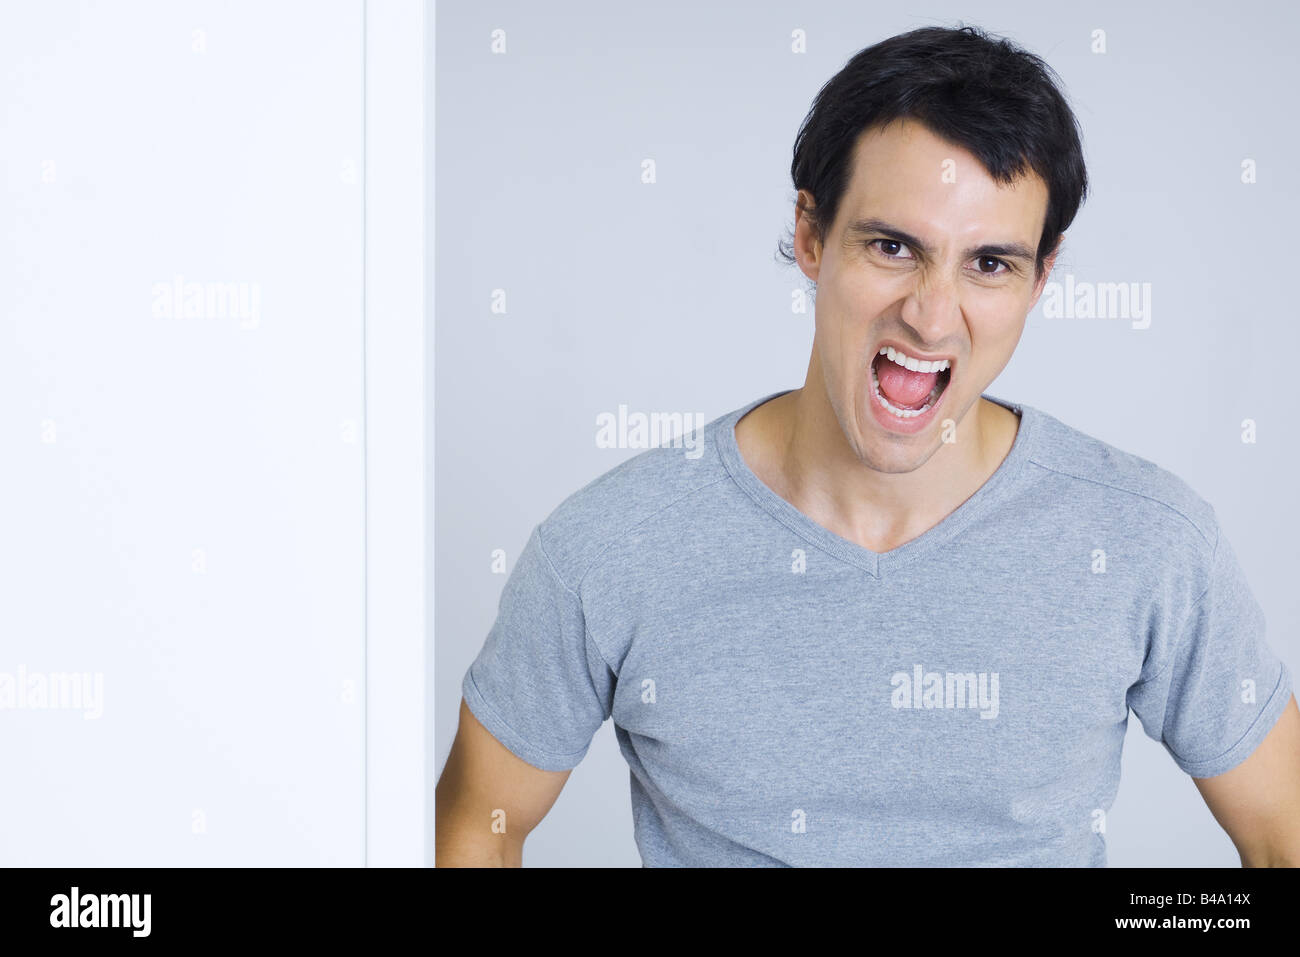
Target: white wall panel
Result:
[182, 499]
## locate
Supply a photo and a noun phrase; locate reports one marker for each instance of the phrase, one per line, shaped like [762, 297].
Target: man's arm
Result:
[488, 800]
[1258, 801]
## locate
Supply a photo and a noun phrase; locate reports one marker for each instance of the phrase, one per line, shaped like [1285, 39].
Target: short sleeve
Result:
[1222, 689]
[539, 684]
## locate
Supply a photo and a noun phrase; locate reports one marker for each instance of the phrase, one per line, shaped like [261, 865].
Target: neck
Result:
[795, 445]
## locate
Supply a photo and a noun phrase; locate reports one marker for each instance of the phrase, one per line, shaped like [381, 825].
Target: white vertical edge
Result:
[431, 518]
[396, 793]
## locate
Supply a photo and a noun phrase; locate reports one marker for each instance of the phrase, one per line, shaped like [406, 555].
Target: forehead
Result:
[905, 174]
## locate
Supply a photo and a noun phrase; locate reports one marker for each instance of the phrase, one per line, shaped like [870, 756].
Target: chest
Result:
[865, 689]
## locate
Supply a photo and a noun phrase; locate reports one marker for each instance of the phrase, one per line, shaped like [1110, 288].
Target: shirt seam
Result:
[1214, 551]
[628, 531]
[586, 629]
[1187, 619]
[1128, 491]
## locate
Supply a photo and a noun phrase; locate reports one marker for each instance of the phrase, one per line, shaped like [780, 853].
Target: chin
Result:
[895, 461]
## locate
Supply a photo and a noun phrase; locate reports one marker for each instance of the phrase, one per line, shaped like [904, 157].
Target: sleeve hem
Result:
[1259, 729]
[520, 748]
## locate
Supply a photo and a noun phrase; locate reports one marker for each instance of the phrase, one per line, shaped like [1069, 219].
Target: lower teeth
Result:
[903, 413]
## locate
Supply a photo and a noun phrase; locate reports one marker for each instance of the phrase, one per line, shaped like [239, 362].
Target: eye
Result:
[994, 262]
[889, 247]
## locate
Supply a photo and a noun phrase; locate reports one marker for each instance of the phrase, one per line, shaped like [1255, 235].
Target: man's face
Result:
[958, 290]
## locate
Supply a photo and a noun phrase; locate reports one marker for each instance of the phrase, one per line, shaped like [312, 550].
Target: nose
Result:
[932, 308]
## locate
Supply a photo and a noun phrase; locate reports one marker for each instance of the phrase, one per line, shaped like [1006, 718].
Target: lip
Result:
[908, 350]
[917, 423]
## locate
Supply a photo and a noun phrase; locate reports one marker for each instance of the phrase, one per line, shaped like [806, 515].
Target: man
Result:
[885, 619]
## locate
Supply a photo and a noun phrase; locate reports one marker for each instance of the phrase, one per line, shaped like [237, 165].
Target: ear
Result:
[807, 245]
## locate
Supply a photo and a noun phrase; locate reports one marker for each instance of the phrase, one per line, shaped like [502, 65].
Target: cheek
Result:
[853, 308]
[996, 329]
[869, 292]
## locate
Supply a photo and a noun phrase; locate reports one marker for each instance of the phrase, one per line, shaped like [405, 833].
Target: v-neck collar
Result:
[877, 562]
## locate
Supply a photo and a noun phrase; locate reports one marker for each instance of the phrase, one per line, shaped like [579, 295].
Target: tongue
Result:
[903, 387]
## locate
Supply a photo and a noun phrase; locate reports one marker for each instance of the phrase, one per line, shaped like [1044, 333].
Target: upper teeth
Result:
[916, 365]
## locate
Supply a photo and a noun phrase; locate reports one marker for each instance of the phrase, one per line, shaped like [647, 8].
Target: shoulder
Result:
[1128, 487]
[651, 485]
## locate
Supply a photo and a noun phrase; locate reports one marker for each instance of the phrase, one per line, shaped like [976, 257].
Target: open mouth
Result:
[906, 386]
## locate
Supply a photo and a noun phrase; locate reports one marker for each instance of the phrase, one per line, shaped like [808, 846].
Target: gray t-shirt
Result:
[784, 696]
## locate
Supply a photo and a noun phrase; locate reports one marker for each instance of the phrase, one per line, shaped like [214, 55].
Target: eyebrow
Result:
[1004, 250]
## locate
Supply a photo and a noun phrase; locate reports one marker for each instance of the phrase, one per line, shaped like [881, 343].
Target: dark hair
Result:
[982, 93]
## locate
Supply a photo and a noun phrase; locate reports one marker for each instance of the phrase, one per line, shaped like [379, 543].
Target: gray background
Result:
[667, 297]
